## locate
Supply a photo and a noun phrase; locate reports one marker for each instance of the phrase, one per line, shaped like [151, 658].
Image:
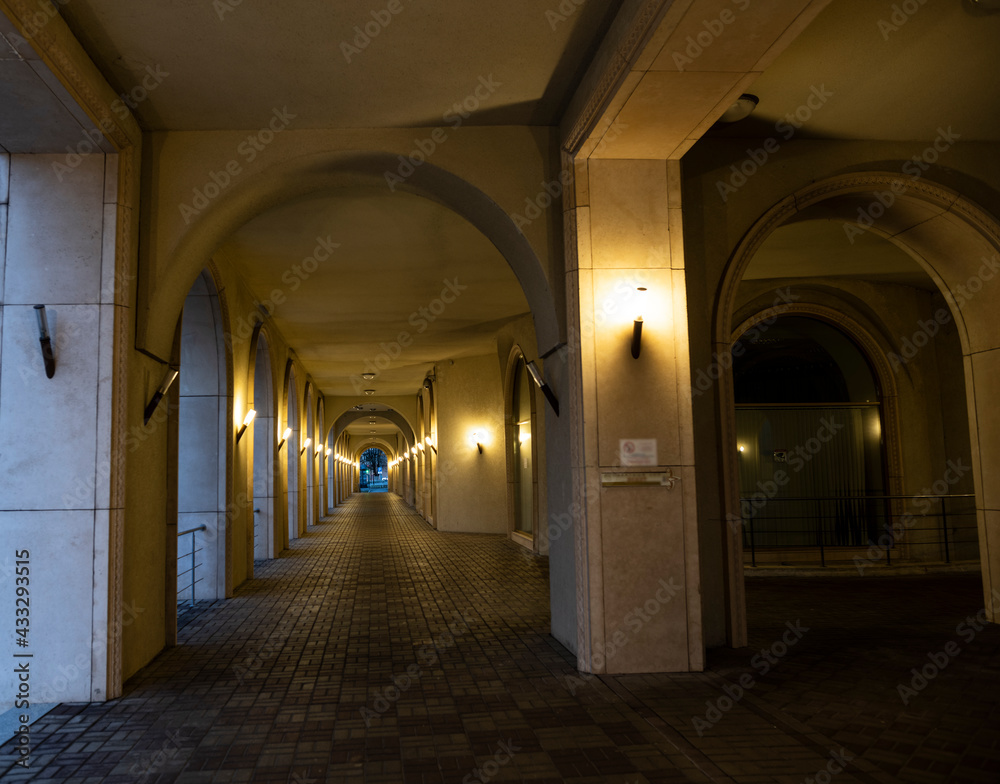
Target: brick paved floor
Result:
[378, 650]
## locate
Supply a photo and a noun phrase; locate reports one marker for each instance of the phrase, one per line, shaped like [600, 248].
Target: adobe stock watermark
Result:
[635, 619]
[150, 763]
[370, 29]
[712, 30]
[293, 278]
[486, 772]
[927, 329]
[420, 319]
[428, 655]
[924, 503]
[704, 379]
[787, 127]
[122, 106]
[797, 459]
[454, 116]
[556, 16]
[938, 661]
[551, 192]
[901, 14]
[247, 151]
[836, 765]
[763, 662]
[34, 24]
[915, 168]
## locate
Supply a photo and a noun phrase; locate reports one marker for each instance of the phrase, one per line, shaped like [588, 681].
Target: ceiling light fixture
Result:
[741, 109]
[369, 392]
[367, 376]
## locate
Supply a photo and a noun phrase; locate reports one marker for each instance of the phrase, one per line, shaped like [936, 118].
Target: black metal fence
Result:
[874, 528]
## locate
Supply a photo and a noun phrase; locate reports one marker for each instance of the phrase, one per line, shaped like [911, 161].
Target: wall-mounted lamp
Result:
[329, 452]
[479, 442]
[536, 376]
[430, 442]
[305, 445]
[168, 379]
[319, 448]
[246, 421]
[637, 325]
[284, 437]
[420, 445]
[46, 340]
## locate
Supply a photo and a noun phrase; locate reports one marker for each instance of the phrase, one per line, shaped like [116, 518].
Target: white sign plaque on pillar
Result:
[638, 451]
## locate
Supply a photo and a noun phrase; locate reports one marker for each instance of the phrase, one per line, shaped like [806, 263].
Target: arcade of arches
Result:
[458, 290]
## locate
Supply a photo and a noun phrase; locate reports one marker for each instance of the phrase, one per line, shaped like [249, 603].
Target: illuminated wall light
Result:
[743, 448]
[479, 442]
[430, 442]
[329, 452]
[284, 437]
[319, 448]
[246, 421]
[305, 445]
[637, 324]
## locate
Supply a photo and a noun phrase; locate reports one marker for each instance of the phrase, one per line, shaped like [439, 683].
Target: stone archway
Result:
[956, 242]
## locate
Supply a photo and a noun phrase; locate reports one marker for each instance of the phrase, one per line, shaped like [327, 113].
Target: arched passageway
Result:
[204, 411]
[265, 474]
[909, 354]
[292, 457]
[374, 471]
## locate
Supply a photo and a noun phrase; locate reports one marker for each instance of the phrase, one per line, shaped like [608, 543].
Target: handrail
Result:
[858, 526]
[194, 564]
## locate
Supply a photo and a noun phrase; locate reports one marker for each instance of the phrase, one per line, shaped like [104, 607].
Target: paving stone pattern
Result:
[379, 650]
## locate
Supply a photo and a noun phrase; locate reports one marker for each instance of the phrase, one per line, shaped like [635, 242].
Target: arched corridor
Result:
[589, 278]
[378, 649]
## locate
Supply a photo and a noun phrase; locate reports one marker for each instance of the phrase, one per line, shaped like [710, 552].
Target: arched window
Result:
[809, 435]
[522, 458]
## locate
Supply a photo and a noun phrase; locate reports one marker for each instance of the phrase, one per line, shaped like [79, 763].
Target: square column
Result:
[635, 515]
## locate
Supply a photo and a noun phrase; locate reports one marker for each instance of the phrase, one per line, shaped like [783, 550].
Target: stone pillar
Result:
[637, 542]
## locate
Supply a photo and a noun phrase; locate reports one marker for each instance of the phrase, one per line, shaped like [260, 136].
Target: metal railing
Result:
[194, 565]
[914, 528]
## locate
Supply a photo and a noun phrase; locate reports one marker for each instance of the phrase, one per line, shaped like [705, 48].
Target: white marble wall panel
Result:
[55, 232]
[60, 604]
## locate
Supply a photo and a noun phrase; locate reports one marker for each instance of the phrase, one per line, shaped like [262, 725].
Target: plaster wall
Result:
[472, 487]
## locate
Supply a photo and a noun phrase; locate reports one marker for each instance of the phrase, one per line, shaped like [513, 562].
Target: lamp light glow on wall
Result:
[305, 445]
[246, 421]
[168, 379]
[637, 324]
[284, 437]
[479, 441]
[536, 376]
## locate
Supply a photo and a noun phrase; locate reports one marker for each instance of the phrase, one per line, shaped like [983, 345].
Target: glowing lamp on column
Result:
[305, 445]
[430, 442]
[637, 324]
[477, 439]
[246, 421]
[329, 452]
[284, 437]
